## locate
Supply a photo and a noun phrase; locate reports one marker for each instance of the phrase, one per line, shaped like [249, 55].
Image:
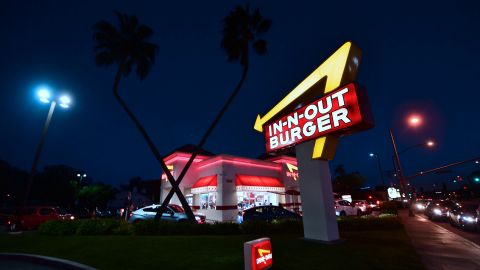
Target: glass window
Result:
[203, 201]
[149, 209]
[189, 198]
[208, 200]
[176, 208]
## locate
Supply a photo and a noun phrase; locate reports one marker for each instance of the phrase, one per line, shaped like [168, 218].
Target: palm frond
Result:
[241, 29]
[128, 44]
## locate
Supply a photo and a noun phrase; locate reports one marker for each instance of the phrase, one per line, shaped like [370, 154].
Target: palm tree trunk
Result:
[206, 135]
[151, 145]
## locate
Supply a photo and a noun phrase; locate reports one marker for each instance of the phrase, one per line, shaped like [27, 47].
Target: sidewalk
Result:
[439, 248]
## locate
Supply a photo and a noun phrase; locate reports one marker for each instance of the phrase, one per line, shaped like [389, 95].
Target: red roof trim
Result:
[207, 181]
[257, 181]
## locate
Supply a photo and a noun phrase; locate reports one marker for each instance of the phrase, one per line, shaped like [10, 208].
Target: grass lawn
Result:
[361, 250]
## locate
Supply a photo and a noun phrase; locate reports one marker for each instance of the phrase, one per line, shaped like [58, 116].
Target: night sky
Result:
[417, 57]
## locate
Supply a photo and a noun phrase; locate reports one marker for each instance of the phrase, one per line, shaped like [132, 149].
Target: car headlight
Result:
[468, 219]
[437, 211]
[420, 206]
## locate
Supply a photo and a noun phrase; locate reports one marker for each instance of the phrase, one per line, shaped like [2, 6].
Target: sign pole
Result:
[319, 219]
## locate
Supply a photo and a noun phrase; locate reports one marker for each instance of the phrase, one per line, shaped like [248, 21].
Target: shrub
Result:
[123, 228]
[382, 222]
[157, 227]
[98, 226]
[390, 207]
[275, 227]
[59, 227]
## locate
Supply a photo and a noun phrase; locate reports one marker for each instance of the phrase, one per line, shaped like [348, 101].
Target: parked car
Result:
[464, 216]
[438, 210]
[5, 214]
[31, 217]
[269, 213]
[345, 208]
[174, 213]
[364, 206]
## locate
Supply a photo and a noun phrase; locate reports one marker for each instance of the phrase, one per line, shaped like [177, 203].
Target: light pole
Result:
[379, 166]
[44, 96]
[414, 120]
[81, 176]
[399, 171]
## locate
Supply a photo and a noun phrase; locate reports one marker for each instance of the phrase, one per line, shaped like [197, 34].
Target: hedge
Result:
[156, 227]
[390, 207]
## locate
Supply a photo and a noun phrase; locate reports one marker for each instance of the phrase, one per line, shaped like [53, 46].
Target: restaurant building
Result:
[220, 186]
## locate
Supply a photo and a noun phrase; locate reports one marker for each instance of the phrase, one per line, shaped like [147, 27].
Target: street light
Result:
[413, 120]
[379, 166]
[427, 143]
[81, 176]
[45, 95]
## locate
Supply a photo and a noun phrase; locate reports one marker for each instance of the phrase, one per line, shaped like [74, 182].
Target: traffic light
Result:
[476, 179]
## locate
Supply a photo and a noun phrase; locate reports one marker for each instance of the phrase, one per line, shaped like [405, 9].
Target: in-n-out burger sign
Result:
[339, 112]
[258, 254]
[336, 72]
[292, 171]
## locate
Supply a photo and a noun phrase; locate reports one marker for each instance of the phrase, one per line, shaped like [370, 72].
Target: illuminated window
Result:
[208, 200]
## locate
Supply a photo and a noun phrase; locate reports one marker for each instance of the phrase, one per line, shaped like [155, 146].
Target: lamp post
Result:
[380, 170]
[81, 176]
[414, 121]
[45, 96]
[399, 171]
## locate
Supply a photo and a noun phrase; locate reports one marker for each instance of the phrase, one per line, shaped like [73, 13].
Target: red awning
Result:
[258, 183]
[205, 184]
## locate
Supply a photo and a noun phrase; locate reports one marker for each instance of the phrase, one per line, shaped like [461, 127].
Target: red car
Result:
[32, 217]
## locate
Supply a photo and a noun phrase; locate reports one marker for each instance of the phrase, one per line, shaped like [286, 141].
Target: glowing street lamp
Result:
[415, 120]
[45, 95]
[81, 176]
[428, 143]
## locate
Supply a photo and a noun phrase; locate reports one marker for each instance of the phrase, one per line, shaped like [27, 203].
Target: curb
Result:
[45, 260]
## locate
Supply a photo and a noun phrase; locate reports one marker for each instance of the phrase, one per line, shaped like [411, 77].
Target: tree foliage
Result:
[347, 182]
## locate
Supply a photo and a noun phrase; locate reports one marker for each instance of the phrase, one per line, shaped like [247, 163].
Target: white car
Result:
[173, 213]
[363, 205]
[345, 208]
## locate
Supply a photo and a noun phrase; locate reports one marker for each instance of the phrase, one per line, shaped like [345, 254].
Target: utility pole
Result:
[400, 174]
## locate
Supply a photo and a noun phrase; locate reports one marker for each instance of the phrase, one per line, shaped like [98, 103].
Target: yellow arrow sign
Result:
[340, 68]
[263, 251]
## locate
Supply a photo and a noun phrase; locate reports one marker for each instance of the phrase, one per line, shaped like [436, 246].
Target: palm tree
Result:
[129, 48]
[242, 29]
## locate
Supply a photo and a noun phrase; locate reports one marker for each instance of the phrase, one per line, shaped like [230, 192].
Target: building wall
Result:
[226, 168]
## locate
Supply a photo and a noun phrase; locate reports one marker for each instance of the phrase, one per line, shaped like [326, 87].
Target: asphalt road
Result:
[470, 235]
